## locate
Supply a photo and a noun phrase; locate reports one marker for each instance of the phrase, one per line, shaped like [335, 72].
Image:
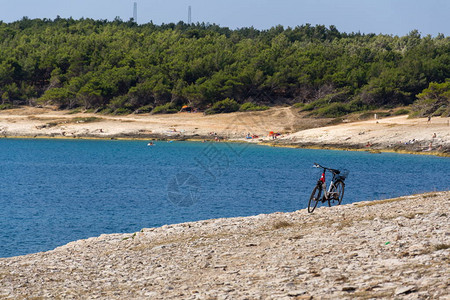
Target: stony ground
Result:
[397, 248]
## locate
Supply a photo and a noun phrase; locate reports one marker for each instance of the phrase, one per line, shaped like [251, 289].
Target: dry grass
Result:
[129, 237]
[412, 215]
[282, 224]
[295, 237]
[441, 247]
[341, 279]
[430, 195]
[345, 223]
[376, 202]
[32, 117]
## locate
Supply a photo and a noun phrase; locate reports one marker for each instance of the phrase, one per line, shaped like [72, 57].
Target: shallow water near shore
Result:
[56, 191]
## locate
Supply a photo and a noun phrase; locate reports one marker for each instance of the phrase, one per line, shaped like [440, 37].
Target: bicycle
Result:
[335, 191]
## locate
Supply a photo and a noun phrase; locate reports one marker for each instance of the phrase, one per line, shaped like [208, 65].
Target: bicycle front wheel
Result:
[314, 199]
[336, 194]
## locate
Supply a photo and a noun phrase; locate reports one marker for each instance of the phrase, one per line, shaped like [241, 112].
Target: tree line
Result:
[122, 67]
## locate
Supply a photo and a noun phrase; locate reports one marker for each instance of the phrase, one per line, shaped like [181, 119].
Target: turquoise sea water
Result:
[56, 191]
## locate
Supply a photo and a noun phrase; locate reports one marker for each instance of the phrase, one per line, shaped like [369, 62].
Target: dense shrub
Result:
[299, 105]
[315, 105]
[167, 108]
[144, 109]
[224, 106]
[6, 106]
[434, 100]
[122, 111]
[400, 112]
[248, 106]
[333, 110]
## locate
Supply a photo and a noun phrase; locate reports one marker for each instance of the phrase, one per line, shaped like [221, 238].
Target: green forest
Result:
[120, 67]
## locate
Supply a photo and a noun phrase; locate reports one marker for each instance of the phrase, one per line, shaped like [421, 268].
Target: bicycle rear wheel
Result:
[336, 194]
[314, 199]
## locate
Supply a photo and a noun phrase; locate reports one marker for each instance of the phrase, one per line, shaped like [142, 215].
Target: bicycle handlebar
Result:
[316, 165]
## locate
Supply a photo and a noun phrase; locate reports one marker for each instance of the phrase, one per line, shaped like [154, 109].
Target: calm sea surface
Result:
[56, 191]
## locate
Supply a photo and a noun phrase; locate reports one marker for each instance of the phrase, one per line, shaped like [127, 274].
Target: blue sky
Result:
[395, 17]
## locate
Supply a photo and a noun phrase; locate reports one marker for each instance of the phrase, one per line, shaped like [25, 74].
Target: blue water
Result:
[56, 191]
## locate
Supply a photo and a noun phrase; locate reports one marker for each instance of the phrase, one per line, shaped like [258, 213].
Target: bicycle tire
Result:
[337, 199]
[314, 199]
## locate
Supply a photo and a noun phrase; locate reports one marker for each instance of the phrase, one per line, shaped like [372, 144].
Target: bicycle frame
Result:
[335, 190]
[322, 185]
[327, 193]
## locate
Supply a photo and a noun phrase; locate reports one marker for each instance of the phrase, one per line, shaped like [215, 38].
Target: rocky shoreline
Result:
[394, 134]
[417, 148]
[395, 248]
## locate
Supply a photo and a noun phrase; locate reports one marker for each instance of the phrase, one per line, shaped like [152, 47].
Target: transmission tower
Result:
[189, 15]
[135, 12]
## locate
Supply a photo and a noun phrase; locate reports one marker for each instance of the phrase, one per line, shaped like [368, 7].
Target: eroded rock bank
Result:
[397, 248]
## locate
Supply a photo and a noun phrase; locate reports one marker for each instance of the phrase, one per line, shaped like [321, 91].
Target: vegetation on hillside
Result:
[121, 67]
[434, 100]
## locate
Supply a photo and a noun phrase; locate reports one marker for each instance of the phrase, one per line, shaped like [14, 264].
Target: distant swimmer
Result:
[151, 144]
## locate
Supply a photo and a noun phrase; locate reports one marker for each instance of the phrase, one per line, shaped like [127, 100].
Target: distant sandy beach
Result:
[290, 128]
